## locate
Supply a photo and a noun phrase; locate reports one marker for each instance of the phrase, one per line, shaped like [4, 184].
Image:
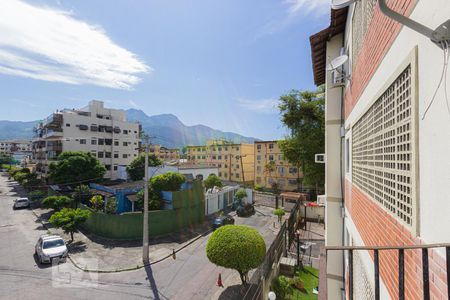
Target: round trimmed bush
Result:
[236, 247]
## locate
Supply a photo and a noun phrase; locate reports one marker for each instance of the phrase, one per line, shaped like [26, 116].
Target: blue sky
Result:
[218, 63]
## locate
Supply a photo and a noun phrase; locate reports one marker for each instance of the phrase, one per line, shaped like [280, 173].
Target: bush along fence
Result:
[188, 209]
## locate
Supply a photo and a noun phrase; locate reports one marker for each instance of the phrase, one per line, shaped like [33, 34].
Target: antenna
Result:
[337, 62]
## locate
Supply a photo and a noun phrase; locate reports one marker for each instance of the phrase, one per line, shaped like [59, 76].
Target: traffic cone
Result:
[219, 280]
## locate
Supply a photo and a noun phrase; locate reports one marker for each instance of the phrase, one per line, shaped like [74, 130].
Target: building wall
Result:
[165, 154]
[386, 47]
[227, 157]
[285, 174]
[11, 146]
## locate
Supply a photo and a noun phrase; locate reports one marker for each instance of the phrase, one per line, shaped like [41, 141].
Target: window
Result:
[115, 168]
[258, 179]
[220, 174]
[94, 153]
[219, 157]
[281, 170]
[213, 157]
[225, 174]
[280, 157]
[292, 181]
[237, 148]
[108, 154]
[116, 143]
[124, 155]
[108, 142]
[83, 141]
[203, 157]
[292, 170]
[220, 148]
[101, 141]
[237, 175]
[237, 166]
[258, 157]
[271, 157]
[125, 144]
[270, 146]
[108, 167]
[100, 154]
[258, 169]
[67, 125]
[125, 131]
[219, 165]
[93, 142]
[383, 156]
[116, 155]
[258, 147]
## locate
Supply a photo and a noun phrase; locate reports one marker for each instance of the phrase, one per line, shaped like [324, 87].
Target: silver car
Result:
[51, 248]
[21, 203]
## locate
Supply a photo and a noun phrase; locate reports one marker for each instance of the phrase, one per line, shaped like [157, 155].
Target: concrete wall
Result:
[188, 210]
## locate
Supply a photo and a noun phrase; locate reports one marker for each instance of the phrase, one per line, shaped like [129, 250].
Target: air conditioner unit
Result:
[320, 158]
[321, 199]
[338, 78]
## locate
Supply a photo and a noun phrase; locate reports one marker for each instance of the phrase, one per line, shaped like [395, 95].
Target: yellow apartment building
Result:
[165, 154]
[236, 162]
[283, 173]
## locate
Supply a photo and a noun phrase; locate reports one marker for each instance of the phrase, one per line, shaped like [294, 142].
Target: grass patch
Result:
[310, 278]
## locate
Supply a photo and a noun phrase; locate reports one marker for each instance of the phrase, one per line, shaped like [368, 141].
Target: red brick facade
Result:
[378, 228]
[380, 35]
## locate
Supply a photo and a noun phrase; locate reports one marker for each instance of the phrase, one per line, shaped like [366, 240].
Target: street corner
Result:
[65, 276]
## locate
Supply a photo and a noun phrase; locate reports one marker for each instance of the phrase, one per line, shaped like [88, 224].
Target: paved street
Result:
[190, 276]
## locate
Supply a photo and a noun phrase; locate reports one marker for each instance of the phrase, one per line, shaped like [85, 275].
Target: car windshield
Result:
[22, 200]
[53, 244]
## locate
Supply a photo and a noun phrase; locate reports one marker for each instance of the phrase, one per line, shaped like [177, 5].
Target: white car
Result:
[21, 203]
[49, 248]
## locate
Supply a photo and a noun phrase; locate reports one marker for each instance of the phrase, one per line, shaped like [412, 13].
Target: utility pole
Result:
[145, 249]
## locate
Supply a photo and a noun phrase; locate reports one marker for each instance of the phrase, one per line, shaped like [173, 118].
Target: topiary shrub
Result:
[236, 247]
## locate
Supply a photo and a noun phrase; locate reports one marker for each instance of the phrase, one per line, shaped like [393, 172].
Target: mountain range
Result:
[165, 129]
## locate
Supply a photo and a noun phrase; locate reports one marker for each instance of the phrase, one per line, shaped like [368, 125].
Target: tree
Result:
[56, 202]
[69, 219]
[236, 247]
[76, 166]
[81, 194]
[269, 168]
[240, 194]
[97, 202]
[304, 114]
[279, 212]
[154, 200]
[136, 168]
[212, 181]
[170, 181]
[111, 205]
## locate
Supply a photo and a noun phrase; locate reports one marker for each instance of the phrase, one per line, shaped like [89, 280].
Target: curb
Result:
[140, 266]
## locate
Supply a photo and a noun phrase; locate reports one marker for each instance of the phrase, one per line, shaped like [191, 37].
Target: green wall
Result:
[189, 209]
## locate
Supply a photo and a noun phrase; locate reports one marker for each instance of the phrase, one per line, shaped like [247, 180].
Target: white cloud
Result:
[259, 106]
[49, 44]
[318, 7]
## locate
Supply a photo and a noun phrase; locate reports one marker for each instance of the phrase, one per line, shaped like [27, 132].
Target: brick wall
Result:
[379, 37]
[379, 228]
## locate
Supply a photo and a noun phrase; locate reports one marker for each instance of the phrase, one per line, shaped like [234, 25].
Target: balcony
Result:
[375, 253]
[54, 132]
[55, 119]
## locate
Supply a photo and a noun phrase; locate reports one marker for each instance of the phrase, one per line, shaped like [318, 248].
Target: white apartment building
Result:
[13, 146]
[387, 144]
[103, 132]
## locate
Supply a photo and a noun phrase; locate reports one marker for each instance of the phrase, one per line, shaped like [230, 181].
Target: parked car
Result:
[245, 210]
[21, 203]
[221, 221]
[49, 248]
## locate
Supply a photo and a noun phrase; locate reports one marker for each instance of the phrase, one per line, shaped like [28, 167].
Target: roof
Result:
[187, 167]
[319, 40]
[101, 193]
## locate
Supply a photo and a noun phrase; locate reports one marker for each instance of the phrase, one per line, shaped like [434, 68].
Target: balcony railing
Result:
[54, 119]
[323, 295]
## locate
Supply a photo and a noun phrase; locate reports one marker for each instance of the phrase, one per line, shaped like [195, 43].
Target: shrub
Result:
[111, 205]
[240, 194]
[279, 212]
[170, 181]
[56, 202]
[154, 200]
[258, 188]
[212, 181]
[282, 286]
[236, 247]
[97, 202]
[36, 195]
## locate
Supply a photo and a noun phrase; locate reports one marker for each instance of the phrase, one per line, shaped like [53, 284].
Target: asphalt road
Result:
[190, 276]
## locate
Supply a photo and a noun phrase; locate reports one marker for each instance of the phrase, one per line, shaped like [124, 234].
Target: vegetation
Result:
[269, 168]
[69, 219]
[154, 200]
[212, 181]
[279, 212]
[56, 202]
[36, 194]
[304, 114]
[240, 194]
[97, 202]
[170, 181]
[136, 169]
[76, 166]
[258, 188]
[25, 177]
[111, 205]
[81, 194]
[299, 287]
[292, 149]
[236, 247]
[5, 159]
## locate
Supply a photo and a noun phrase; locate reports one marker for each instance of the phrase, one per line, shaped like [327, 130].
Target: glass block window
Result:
[383, 160]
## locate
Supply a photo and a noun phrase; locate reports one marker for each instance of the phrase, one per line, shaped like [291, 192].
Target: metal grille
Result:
[363, 288]
[382, 150]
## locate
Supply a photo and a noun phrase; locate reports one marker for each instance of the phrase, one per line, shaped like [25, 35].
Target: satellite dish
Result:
[338, 4]
[337, 62]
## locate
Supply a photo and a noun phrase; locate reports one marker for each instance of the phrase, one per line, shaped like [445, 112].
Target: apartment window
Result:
[237, 148]
[292, 181]
[94, 153]
[280, 157]
[258, 157]
[219, 157]
[108, 154]
[258, 169]
[226, 165]
[383, 159]
[125, 131]
[258, 147]
[108, 142]
[237, 166]
[213, 157]
[270, 146]
[220, 174]
[225, 174]
[108, 167]
[281, 170]
[198, 156]
[93, 142]
[124, 155]
[220, 148]
[116, 143]
[270, 157]
[203, 157]
[100, 154]
[226, 148]
[67, 124]
[226, 156]
[83, 141]
[258, 179]
[219, 165]
[101, 141]
[292, 170]
[116, 155]
[115, 168]
[237, 175]
[125, 144]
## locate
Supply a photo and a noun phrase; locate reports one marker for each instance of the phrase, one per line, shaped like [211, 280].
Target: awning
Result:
[132, 198]
[101, 193]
